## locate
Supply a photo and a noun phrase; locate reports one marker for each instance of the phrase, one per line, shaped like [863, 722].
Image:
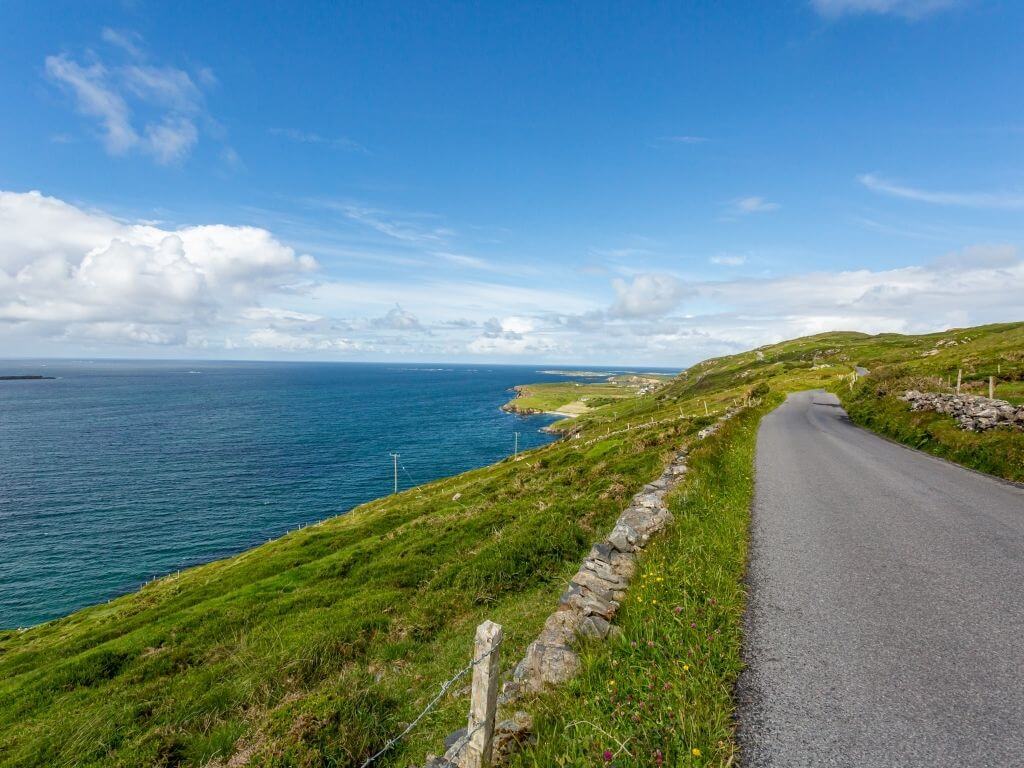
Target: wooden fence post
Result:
[991, 387]
[959, 376]
[483, 702]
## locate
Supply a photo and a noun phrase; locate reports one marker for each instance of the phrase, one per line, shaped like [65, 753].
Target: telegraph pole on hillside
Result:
[395, 457]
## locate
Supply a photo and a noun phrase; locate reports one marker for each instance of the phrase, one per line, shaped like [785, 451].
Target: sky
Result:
[590, 183]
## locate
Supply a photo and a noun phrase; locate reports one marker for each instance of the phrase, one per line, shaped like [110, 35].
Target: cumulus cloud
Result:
[73, 279]
[66, 272]
[910, 9]
[169, 99]
[646, 295]
[514, 335]
[397, 319]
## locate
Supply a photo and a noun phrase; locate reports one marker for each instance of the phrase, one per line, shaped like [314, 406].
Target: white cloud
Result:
[94, 97]
[397, 319]
[67, 272]
[909, 9]
[128, 41]
[646, 295]
[753, 204]
[168, 97]
[462, 260]
[282, 341]
[166, 87]
[729, 260]
[413, 229]
[172, 139]
[311, 137]
[76, 281]
[995, 200]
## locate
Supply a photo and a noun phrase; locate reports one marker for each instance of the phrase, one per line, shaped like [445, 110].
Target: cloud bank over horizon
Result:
[76, 281]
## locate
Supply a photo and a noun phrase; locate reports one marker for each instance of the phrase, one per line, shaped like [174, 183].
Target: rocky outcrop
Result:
[972, 412]
[586, 609]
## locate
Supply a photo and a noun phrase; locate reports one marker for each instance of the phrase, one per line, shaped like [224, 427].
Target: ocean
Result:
[118, 471]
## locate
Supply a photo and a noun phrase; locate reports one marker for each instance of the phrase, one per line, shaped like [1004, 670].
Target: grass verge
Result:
[661, 693]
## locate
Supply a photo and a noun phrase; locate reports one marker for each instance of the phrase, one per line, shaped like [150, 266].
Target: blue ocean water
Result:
[118, 471]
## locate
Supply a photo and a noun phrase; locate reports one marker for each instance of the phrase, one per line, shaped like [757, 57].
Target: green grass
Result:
[550, 396]
[573, 398]
[874, 405]
[664, 687]
[313, 649]
[995, 350]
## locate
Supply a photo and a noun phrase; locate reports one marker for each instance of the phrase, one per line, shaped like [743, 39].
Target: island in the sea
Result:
[32, 377]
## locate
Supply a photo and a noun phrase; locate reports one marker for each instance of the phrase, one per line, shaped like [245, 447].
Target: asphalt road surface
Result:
[885, 623]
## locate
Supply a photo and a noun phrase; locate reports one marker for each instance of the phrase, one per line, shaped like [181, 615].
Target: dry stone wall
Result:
[972, 412]
[586, 609]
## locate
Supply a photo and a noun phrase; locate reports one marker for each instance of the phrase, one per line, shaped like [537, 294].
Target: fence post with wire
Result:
[472, 748]
[483, 702]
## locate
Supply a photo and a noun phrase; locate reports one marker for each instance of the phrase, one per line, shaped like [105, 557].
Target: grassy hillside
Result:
[313, 649]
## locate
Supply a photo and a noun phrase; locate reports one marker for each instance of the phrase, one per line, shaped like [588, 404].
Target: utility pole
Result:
[516, 452]
[395, 457]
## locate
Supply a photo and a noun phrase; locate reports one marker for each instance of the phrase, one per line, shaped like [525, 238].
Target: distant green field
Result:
[313, 649]
[573, 398]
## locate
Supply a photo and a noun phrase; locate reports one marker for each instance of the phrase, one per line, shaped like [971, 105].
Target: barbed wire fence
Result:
[442, 691]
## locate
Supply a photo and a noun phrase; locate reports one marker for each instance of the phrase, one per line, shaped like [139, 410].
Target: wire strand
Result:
[430, 705]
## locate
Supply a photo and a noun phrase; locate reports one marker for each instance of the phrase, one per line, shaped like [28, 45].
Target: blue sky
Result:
[577, 182]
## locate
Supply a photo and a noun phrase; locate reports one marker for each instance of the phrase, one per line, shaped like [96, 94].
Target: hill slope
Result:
[313, 649]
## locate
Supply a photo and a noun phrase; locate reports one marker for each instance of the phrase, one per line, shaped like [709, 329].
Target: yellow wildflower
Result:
[695, 752]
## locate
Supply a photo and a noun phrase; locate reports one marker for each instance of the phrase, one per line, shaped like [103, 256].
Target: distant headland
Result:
[33, 377]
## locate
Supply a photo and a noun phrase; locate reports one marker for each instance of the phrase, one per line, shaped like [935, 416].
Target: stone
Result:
[626, 539]
[596, 584]
[624, 564]
[510, 692]
[560, 628]
[595, 627]
[648, 500]
[587, 603]
[972, 412]
[606, 572]
[511, 735]
[602, 551]
[452, 738]
[546, 665]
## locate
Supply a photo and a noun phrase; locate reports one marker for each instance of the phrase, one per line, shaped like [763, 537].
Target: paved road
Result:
[885, 625]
